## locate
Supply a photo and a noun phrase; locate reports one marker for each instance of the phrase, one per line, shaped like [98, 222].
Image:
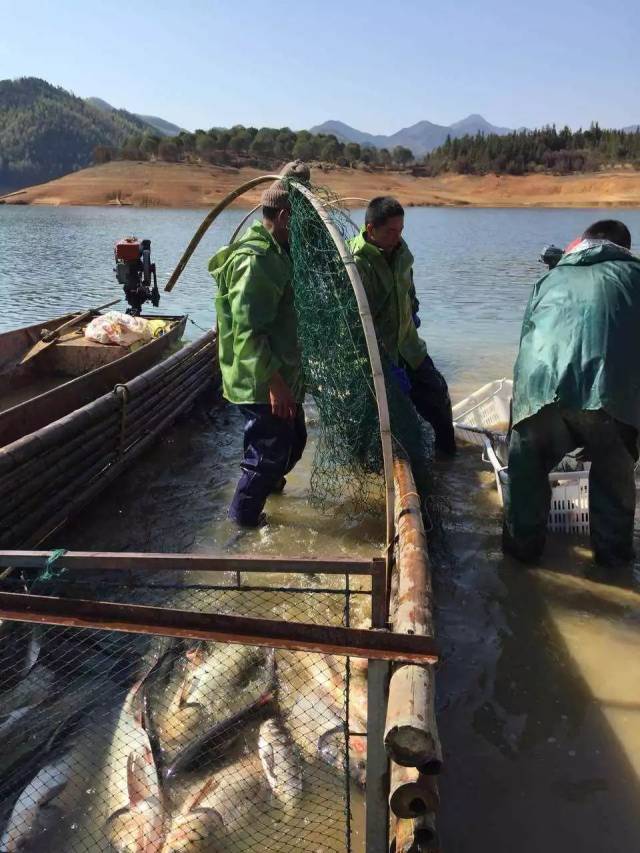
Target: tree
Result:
[331, 150]
[352, 152]
[303, 149]
[101, 154]
[384, 157]
[402, 156]
[168, 151]
[150, 144]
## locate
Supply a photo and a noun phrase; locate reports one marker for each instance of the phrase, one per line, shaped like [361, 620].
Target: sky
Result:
[378, 66]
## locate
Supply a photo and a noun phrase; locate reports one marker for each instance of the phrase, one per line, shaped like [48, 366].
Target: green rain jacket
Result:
[580, 342]
[257, 325]
[391, 295]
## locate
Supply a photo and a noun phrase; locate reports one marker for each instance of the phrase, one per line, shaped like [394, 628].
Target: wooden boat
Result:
[68, 374]
[76, 416]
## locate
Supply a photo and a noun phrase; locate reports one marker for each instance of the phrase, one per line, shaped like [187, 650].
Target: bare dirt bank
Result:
[188, 185]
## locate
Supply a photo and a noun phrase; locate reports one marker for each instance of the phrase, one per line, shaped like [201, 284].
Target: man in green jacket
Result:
[577, 384]
[385, 265]
[259, 353]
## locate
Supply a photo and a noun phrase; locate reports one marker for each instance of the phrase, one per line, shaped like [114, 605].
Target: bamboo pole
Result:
[411, 792]
[411, 735]
[208, 221]
[418, 835]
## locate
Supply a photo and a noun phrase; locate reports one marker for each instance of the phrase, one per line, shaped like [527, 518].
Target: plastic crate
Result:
[569, 510]
[489, 409]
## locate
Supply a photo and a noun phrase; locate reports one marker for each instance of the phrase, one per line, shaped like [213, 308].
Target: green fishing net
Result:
[347, 467]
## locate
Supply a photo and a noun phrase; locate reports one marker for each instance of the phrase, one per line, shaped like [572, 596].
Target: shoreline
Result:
[186, 185]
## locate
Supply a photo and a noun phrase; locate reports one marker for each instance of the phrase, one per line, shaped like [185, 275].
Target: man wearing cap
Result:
[259, 352]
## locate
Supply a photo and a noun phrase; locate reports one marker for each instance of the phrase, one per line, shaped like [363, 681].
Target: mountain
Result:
[633, 128]
[46, 131]
[163, 127]
[159, 125]
[420, 138]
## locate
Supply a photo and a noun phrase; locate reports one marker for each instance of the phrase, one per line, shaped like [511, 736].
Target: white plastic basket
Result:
[484, 417]
[569, 511]
[488, 409]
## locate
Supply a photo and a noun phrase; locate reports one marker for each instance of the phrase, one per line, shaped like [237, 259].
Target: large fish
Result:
[103, 793]
[312, 698]
[194, 703]
[220, 811]
[280, 762]
[20, 645]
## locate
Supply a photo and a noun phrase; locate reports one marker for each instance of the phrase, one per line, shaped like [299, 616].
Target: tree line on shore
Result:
[547, 150]
[251, 146]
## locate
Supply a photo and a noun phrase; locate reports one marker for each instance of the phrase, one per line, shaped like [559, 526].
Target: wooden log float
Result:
[418, 835]
[412, 793]
[411, 733]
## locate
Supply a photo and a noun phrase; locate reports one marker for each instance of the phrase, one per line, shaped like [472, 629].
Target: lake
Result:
[540, 675]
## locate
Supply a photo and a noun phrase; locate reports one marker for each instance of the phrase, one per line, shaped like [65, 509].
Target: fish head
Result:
[138, 830]
[189, 831]
[331, 748]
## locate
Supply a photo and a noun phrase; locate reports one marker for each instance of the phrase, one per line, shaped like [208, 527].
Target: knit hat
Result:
[277, 195]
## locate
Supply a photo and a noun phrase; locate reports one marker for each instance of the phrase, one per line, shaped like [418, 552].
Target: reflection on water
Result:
[539, 685]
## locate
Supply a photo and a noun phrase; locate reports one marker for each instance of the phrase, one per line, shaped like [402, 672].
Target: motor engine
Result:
[551, 255]
[135, 272]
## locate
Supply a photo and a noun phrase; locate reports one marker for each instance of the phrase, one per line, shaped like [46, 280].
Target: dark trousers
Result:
[538, 444]
[430, 396]
[272, 446]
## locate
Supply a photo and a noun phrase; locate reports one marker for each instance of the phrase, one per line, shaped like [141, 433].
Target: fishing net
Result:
[113, 739]
[347, 467]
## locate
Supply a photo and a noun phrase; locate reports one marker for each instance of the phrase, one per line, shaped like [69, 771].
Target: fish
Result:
[108, 796]
[35, 813]
[216, 669]
[280, 762]
[194, 704]
[216, 738]
[219, 810]
[20, 645]
[34, 688]
[312, 700]
[331, 749]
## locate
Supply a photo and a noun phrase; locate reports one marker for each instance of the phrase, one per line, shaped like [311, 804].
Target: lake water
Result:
[539, 685]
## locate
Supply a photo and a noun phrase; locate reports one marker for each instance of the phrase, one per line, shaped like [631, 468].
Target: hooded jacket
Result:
[390, 292]
[257, 325]
[580, 341]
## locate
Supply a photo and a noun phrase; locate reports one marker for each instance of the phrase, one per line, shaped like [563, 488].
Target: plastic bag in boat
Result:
[117, 328]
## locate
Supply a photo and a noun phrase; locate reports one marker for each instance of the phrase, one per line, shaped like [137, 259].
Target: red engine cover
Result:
[127, 249]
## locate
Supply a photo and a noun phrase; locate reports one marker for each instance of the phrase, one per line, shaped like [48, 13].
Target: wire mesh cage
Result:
[124, 741]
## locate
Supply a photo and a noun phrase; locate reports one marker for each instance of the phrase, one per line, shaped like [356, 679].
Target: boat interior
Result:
[70, 356]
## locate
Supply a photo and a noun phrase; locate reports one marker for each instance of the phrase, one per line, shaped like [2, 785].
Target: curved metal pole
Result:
[372, 348]
[208, 221]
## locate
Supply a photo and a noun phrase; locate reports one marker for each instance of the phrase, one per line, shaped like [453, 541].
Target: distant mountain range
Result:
[420, 138]
[160, 125]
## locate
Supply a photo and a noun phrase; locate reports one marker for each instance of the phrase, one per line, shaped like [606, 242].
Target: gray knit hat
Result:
[277, 195]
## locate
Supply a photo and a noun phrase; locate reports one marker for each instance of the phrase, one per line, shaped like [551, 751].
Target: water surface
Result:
[539, 683]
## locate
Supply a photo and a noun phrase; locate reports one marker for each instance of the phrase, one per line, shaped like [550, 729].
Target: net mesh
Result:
[347, 467]
[120, 741]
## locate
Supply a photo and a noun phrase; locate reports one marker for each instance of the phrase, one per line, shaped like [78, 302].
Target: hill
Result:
[421, 138]
[46, 131]
[159, 125]
[157, 184]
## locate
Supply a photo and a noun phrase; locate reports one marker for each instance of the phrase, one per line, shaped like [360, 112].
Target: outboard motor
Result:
[551, 255]
[135, 273]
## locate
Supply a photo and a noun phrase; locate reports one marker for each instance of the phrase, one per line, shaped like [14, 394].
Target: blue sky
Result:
[376, 65]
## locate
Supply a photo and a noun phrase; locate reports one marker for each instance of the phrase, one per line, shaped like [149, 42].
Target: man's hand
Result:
[283, 403]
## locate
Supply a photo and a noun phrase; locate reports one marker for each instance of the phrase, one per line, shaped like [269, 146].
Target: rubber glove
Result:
[402, 378]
